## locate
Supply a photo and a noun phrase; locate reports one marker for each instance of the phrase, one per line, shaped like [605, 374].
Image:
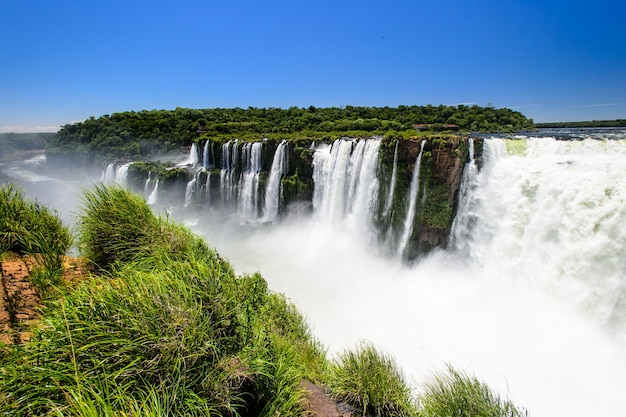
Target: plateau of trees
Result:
[131, 134]
[591, 123]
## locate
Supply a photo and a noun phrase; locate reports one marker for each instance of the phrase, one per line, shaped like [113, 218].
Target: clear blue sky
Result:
[63, 61]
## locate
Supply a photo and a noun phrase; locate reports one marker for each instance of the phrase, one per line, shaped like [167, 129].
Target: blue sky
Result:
[64, 61]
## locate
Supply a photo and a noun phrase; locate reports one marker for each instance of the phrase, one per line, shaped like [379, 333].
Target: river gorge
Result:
[504, 256]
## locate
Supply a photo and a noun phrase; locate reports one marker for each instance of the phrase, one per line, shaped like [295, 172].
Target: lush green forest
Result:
[15, 144]
[131, 134]
[592, 123]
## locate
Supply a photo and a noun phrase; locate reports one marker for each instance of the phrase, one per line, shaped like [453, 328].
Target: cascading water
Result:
[146, 185]
[208, 158]
[346, 185]
[249, 182]
[190, 190]
[411, 204]
[193, 157]
[154, 195]
[228, 175]
[460, 236]
[108, 176]
[392, 183]
[555, 211]
[273, 188]
[530, 298]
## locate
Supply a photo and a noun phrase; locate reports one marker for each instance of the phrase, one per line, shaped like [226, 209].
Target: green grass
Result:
[166, 328]
[455, 393]
[371, 381]
[30, 228]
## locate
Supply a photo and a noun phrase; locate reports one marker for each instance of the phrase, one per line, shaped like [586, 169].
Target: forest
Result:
[132, 134]
[591, 123]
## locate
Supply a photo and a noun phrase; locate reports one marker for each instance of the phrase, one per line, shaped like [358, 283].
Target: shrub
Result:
[371, 381]
[29, 228]
[457, 394]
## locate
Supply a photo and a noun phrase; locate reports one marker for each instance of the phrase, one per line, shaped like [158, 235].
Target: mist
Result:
[532, 303]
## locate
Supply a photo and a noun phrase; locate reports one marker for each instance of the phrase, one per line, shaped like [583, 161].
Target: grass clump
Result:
[458, 394]
[117, 226]
[30, 228]
[166, 329]
[371, 381]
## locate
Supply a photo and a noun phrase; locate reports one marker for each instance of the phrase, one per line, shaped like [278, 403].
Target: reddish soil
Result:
[321, 405]
[19, 300]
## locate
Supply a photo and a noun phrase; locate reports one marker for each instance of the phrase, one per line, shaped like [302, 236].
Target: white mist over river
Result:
[532, 301]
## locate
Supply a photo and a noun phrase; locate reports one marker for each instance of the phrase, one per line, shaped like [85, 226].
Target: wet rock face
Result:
[442, 164]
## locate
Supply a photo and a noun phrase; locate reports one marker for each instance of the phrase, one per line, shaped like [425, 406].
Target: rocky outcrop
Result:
[443, 159]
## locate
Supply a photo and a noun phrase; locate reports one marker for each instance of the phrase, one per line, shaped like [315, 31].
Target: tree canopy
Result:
[131, 134]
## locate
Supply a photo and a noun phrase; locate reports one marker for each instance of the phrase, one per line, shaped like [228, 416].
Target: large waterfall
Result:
[530, 295]
[346, 184]
[530, 298]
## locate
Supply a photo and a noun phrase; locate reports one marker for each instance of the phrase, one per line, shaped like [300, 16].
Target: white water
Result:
[249, 183]
[392, 183]
[190, 190]
[153, 197]
[193, 157]
[411, 204]
[346, 186]
[534, 306]
[273, 189]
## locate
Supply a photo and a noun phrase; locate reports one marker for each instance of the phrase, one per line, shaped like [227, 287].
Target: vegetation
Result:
[167, 328]
[370, 380]
[133, 134]
[12, 144]
[29, 228]
[592, 123]
[457, 394]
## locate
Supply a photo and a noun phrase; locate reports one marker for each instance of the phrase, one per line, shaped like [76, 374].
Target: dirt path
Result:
[321, 405]
[19, 301]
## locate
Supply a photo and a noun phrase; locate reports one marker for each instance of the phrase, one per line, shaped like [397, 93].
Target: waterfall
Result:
[392, 183]
[153, 196]
[555, 211]
[249, 182]
[228, 178]
[121, 174]
[346, 186]
[412, 204]
[193, 158]
[108, 176]
[147, 184]
[466, 217]
[190, 190]
[207, 187]
[274, 187]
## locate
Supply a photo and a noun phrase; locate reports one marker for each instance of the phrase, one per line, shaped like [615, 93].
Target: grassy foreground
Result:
[165, 328]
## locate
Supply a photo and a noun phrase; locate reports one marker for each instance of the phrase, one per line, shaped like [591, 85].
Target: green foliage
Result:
[168, 330]
[371, 381]
[118, 226]
[591, 123]
[457, 394]
[29, 228]
[133, 134]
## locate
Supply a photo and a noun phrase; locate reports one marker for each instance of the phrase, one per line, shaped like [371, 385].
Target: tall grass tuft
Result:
[371, 381]
[455, 393]
[166, 329]
[29, 228]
